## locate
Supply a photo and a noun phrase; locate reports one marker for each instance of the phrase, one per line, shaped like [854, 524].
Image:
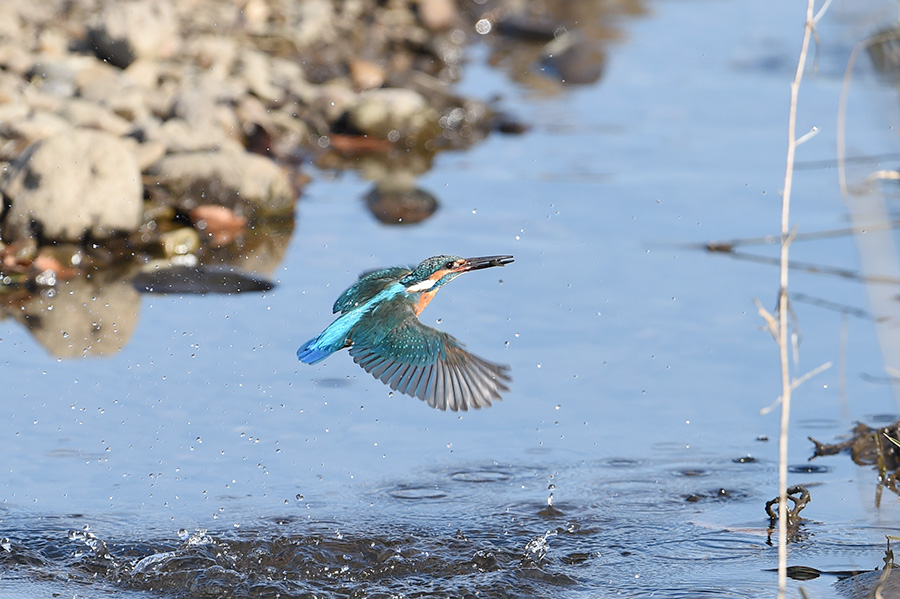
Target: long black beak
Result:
[470, 264]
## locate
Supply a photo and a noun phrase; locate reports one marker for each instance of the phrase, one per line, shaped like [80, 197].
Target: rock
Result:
[233, 179]
[180, 242]
[178, 136]
[366, 74]
[878, 583]
[213, 52]
[125, 31]
[256, 14]
[437, 15]
[382, 112]
[316, 23]
[10, 20]
[88, 115]
[254, 69]
[72, 183]
[574, 59]
[147, 153]
[332, 100]
[14, 58]
[98, 82]
[220, 224]
[34, 126]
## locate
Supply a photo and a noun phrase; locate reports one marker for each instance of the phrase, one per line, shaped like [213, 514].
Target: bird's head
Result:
[437, 271]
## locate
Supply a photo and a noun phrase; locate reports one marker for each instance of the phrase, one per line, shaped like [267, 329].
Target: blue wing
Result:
[423, 362]
[338, 334]
[367, 287]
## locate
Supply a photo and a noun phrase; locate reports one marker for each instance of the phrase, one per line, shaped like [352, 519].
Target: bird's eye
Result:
[449, 265]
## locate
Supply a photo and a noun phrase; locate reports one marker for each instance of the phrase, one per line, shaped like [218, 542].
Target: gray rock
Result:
[125, 31]
[379, 112]
[574, 59]
[255, 70]
[146, 153]
[316, 23]
[88, 115]
[33, 126]
[98, 82]
[213, 52]
[71, 183]
[878, 583]
[235, 179]
[179, 136]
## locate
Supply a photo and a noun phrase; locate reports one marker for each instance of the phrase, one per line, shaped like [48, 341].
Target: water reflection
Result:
[550, 45]
[400, 202]
[82, 317]
[91, 304]
[197, 280]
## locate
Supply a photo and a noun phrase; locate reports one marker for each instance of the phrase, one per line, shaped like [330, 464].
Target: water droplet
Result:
[483, 26]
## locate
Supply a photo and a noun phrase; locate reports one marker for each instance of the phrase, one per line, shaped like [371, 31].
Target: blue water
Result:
[624, 342]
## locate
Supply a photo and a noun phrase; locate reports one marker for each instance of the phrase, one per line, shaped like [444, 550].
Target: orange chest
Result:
[424, 299]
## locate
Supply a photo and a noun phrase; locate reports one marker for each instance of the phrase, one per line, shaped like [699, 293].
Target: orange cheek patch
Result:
[438, 275]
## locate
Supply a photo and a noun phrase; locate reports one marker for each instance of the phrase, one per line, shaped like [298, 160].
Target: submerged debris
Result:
[799, 496]
[870, 447]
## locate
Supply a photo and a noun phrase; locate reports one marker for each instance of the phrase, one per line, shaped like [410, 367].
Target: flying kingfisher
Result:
[379, 323]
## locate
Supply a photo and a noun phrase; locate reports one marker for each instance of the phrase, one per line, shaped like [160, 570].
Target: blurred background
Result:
[187, 188]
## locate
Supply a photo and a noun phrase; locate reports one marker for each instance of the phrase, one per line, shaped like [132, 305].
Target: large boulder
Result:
[237, 180]
[72, 183]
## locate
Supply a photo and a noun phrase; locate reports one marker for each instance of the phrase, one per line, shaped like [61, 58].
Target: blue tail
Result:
[311, 352]
[330, 340]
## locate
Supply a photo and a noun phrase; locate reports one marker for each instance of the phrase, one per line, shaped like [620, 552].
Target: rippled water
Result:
[201, 460]
[450, 533]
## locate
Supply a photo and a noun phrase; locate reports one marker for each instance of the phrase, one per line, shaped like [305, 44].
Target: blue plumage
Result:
[379, 323]
[337, 335]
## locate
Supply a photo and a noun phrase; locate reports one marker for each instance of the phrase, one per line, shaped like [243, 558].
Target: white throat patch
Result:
[421, 286]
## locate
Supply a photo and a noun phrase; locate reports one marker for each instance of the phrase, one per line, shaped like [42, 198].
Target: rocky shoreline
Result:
[158, 133]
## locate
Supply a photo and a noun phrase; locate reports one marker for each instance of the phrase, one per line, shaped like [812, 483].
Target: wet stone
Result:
[235, 179]
[70, 184]
[380, 112]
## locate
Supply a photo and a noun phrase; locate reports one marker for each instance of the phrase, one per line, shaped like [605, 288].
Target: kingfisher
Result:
[379, 323]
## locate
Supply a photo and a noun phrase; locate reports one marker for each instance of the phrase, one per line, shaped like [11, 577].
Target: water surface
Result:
[202, 459]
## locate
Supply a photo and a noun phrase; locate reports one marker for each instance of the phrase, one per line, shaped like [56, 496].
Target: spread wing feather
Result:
[423, 362]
